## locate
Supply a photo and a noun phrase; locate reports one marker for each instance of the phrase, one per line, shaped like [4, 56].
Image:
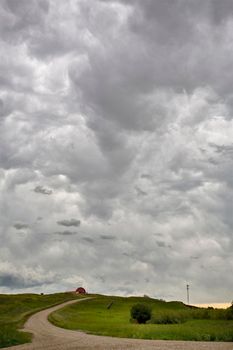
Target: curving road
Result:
[49, 337]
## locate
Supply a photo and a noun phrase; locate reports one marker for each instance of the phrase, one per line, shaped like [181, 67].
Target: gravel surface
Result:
[47, 336]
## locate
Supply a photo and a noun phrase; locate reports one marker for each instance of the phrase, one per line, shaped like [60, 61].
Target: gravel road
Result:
[49, 337]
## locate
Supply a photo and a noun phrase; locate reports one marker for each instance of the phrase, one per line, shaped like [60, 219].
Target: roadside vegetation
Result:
[181, 316]
[112, 316]
[15, 309]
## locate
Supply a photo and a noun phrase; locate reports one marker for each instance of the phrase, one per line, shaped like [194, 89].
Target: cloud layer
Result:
[116, 147]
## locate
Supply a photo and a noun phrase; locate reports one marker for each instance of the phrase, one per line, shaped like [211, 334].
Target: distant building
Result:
[80, 290]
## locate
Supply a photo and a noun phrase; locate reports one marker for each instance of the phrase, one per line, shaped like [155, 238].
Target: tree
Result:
[141, 313]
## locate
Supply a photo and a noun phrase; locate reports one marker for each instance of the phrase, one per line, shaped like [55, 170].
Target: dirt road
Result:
[49, 337]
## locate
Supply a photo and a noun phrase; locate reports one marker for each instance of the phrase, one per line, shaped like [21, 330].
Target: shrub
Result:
[141, 313]
[229, 313]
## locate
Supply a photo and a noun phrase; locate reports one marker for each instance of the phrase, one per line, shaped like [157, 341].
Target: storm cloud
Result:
[42, 190]
[71, 222]
[66, 233]
[20, 226]
[107, 237]
[13, 277]
[118, 113]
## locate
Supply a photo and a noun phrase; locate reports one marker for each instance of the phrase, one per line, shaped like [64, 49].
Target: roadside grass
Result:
[111, 316]
[15, 309]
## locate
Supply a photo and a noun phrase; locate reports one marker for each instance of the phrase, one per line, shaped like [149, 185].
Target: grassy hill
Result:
[171, 320]
[15, 309]
[107, 315]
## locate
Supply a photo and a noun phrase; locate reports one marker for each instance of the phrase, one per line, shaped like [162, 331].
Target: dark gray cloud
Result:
[161, 244]
[12, 281]
[140, 192]
[88, 239]
[69, 222]
[66, 233]
[14, 278]
[118, 113]
[107, 237]
[20, 226]
[42, 190]
[224, 150]
[146, 176]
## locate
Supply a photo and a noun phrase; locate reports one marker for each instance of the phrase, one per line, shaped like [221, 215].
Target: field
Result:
[111, 316]
[15, 309]
[105, 315]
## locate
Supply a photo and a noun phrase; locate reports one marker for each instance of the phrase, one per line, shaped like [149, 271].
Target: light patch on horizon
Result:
[214, 305]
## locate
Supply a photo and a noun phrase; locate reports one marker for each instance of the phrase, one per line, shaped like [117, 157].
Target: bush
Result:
[141, 313]
[229, 313]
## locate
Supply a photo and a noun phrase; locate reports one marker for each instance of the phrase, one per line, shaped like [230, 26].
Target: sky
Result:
[116, 147]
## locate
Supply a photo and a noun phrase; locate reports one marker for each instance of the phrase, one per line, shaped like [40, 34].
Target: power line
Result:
[187, 294]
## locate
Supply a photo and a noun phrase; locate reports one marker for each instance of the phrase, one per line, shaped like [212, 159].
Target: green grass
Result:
[94, 316]
[15, 309]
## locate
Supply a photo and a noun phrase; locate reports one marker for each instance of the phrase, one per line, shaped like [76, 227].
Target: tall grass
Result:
[15, 309]
[169, 317]
[9, 336]
[181, 316]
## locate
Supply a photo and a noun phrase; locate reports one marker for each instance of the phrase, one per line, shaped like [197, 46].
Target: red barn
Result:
[80, 290]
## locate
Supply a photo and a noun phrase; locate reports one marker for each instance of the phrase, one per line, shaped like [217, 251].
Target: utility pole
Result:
[187, 294]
